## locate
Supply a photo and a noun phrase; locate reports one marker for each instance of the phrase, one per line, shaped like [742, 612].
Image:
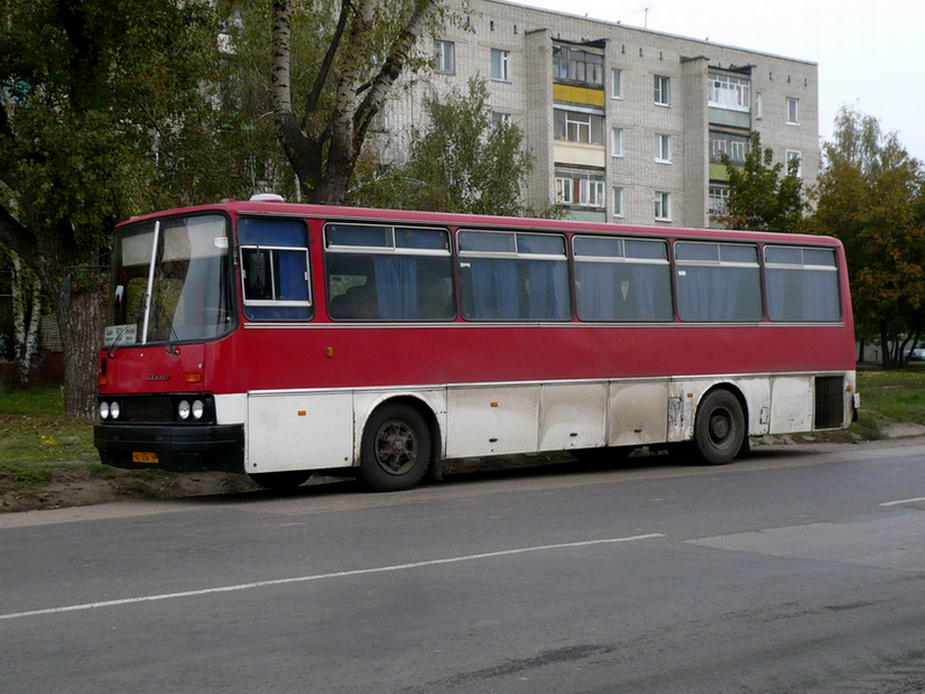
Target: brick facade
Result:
[770, 89]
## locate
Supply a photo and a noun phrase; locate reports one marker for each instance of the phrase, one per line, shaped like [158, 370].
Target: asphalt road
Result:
[800, 569]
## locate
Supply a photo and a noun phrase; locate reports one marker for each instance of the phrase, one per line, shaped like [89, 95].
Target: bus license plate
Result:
[144, 457]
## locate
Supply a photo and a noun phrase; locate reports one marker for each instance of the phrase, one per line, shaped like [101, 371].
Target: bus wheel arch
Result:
[721, 425]
[399, 444]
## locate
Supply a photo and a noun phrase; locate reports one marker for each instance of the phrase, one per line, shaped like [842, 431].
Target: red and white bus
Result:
[279, 340]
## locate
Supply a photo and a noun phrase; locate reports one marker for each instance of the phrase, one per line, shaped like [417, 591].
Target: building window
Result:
[500, 65]
[663, 148]
[582, 190]
[445, 57]
[574, 126]
[564, 191]
[498, 119]
[662, 90]
[575, 65]
[663, 206]
[616, 84]
[616, 142]
[729, 92]
[719, 200]
[759, 107]
[618, 202]
[733, 146]
[794, 155]
[793, 111]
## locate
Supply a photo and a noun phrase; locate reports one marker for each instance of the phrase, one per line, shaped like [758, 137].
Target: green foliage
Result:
[461, 162]
[871, 195]
[87, 87]
[762, 195]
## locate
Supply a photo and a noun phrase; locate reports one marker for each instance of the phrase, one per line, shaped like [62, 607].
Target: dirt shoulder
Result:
[68, 484]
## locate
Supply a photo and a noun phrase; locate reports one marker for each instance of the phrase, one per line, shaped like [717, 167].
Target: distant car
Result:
[918, 354]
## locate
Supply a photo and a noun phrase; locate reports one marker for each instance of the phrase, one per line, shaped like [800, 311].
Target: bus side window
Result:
[274, 269]
[381, 272]
[718, 282]
[513, 276]
[802, 284]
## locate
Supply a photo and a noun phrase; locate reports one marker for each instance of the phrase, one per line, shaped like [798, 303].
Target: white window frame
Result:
[616, 142]
[718, 200]
[729, 92]
[580, 191]
[662, 95]
[444, 57]
[793, 111]
[795, 154]
[662, 148]
[500, 65]
[499, 118]
[563, 190]
[580, 126]
[591, 193]
[617, 199]
[616, 83]
[662, 206]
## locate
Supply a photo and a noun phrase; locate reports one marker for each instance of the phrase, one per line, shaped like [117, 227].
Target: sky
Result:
[871, 55]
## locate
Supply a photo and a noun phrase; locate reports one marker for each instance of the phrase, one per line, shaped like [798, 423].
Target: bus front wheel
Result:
[396, 450]
[719, 428]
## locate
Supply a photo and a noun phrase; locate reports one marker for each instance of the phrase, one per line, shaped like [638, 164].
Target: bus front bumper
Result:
[218, 447]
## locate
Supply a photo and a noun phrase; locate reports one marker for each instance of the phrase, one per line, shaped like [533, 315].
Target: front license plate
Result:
[144, 457]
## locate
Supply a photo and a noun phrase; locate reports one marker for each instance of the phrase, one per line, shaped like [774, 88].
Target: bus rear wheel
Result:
[396, 451]
[719, 428]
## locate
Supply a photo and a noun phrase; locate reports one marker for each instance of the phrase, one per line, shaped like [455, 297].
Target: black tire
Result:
[396, 451]
[719, 429]
[285, 481]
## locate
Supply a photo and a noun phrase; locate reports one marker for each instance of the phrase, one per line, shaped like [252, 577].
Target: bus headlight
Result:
[114, 409]
[199, 409]
[183, 410]
[104, 410]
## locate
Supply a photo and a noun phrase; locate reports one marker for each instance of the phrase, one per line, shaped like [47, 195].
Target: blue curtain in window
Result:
[708, 294]
[494, 289]
[292, 284]
[547, 297]
[643, 293]
[396, 287]
[595, 291]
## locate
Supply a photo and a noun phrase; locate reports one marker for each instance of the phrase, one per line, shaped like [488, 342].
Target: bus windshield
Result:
[171, 282]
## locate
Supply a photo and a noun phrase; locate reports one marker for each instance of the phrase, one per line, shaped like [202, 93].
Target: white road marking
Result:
[903, 501]
[318, 577]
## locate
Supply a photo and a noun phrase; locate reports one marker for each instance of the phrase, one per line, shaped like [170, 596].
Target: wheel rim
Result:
[720, 426]
[396, 447]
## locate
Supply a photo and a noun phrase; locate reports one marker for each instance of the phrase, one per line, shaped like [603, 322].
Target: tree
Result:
[89, 90]
[322, 122]
[762, 195]
[461, 162]
[871, 195]
[26, 294]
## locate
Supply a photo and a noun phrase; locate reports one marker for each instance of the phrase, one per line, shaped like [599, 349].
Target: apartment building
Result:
[625, 124]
